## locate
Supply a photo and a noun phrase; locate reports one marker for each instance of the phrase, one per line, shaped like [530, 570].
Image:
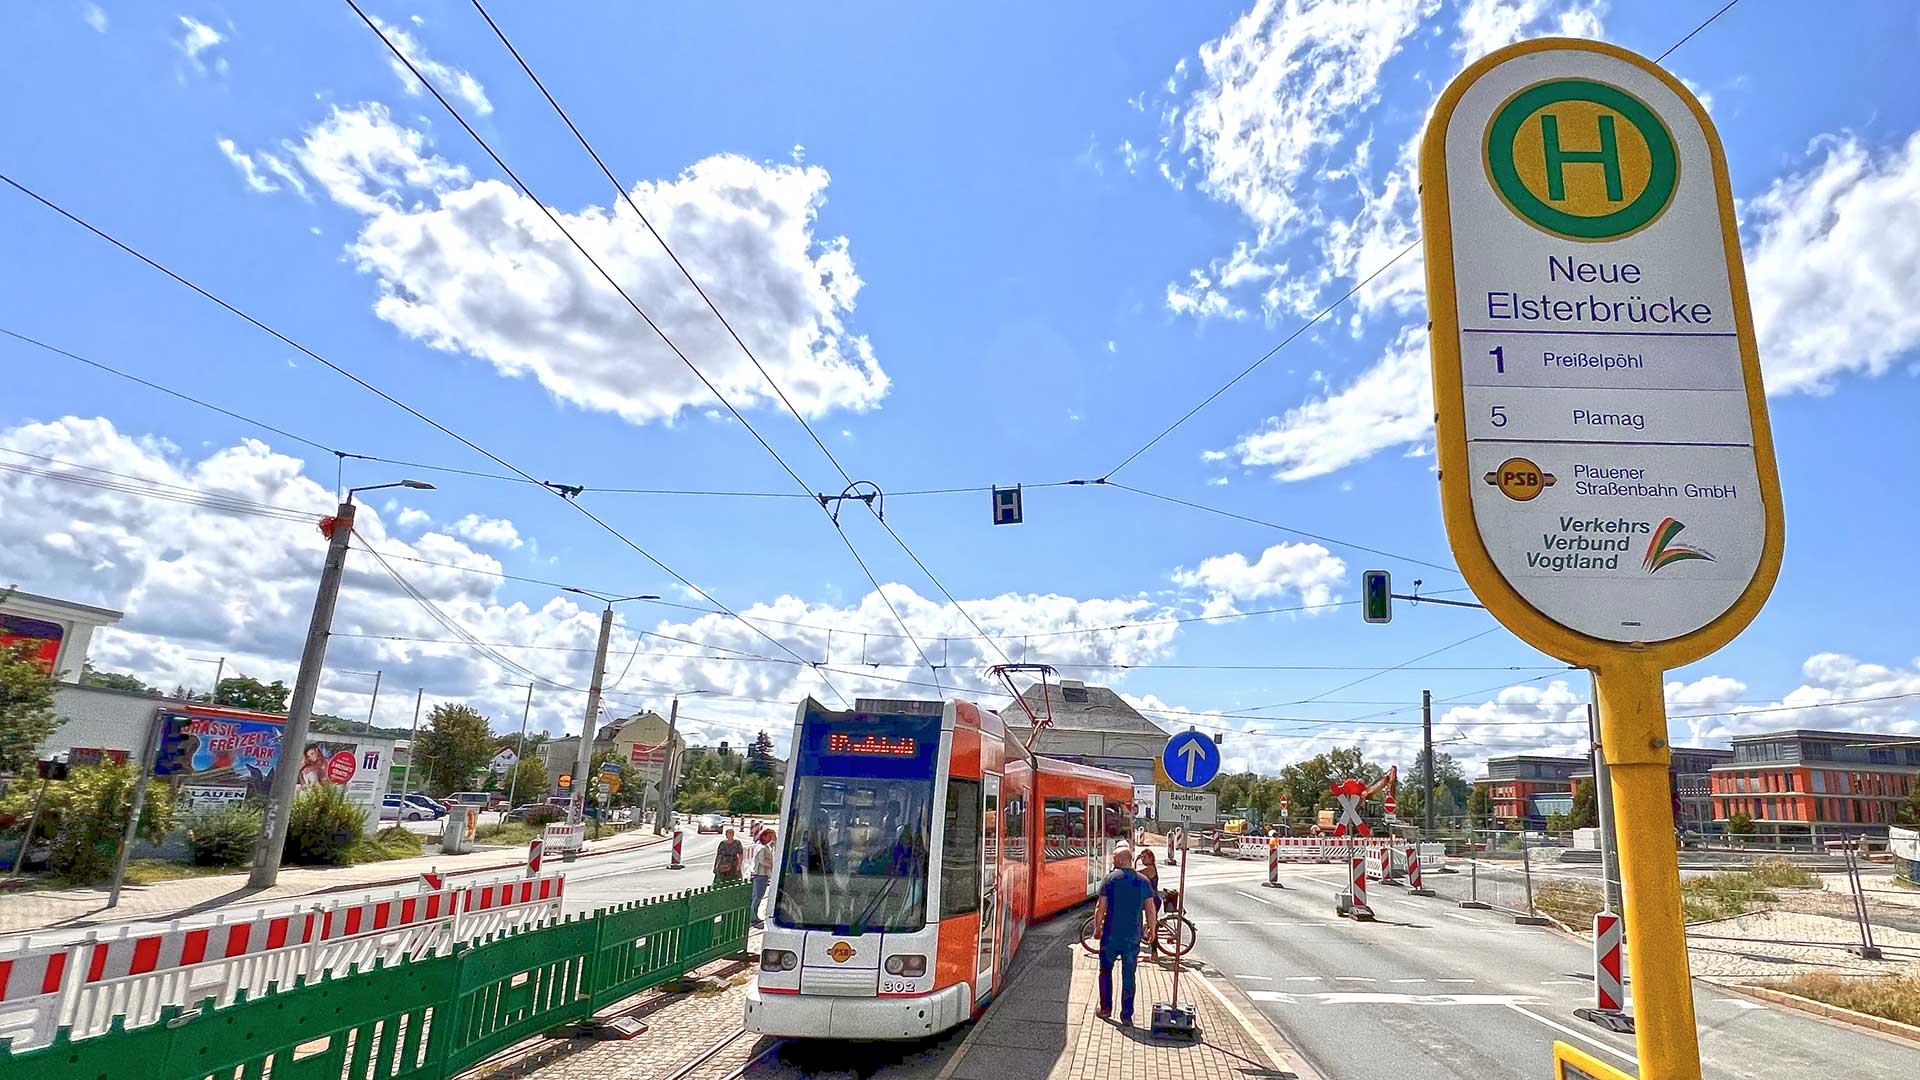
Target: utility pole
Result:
[513, 779]
[668, 772]
[671, 773]
[413, 744]
[1603, 789]
[143, 772]
[293, 742]
[577, 794]
[1426, 754]
[375, 700]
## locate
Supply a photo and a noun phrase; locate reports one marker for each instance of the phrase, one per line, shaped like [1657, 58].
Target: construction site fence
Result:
[428, 1016]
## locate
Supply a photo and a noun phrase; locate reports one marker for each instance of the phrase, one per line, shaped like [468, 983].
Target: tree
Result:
[457, 743]
[245, 692]
[85, 819]
[1910, 810]
[760, 754]
[1480, 806]
[1559, 822]
[1740, 823]
[114, 680]
[527, 781]
[1586, 805]
[26, 708]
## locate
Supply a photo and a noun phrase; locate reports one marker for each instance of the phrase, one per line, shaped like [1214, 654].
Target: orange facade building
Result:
[1817, 782]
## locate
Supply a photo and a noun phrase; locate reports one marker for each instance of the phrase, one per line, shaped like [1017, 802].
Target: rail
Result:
[420, 1018]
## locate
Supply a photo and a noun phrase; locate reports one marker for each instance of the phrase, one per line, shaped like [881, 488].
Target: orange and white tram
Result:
[917, 841]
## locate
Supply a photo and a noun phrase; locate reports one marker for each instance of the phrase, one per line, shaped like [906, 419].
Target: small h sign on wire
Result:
[1006, 505]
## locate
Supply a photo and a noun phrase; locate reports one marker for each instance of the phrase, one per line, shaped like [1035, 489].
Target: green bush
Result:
[224, 837]
[541, 816]
[508, 833]
[324, 827]
[84, 821]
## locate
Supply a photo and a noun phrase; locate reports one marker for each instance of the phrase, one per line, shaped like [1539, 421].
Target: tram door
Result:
[1096, 860]
[989, 886]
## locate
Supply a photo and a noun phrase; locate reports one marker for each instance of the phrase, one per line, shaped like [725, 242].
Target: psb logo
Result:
[840, 952]
[1581, 160]
[1520, 480]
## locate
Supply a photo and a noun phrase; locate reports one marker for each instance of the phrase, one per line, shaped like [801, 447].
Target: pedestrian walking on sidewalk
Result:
[1127, 906]
[761, 870]
[727, 858]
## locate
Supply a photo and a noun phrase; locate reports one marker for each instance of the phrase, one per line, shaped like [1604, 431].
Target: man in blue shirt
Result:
[1127, 906]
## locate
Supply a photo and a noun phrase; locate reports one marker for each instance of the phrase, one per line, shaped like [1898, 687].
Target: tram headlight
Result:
[907, 965]
[778, 960]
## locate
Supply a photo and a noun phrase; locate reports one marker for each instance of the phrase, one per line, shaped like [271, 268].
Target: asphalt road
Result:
[1432, 991]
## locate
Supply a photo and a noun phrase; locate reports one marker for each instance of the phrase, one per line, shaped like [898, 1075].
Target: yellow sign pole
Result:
[1606, 461]
[1633, 723]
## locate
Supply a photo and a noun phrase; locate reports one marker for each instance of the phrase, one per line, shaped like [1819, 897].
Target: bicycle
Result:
[1173, 935]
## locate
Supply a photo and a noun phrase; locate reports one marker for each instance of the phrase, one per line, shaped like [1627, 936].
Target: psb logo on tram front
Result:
[1581, 160]
[1520, 479]
[840, 952]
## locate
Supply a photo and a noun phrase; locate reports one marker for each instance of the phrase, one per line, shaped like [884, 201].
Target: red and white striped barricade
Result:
[33, 984]
[514, 903]
[536, 852]
[673, 859]
[1273, 867]
[563, 838]
[1416, 872]
[1352, 901]
[1374, 863]
[1609, 993]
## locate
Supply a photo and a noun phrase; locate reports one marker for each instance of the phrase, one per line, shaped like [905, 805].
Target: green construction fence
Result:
[426, 1019]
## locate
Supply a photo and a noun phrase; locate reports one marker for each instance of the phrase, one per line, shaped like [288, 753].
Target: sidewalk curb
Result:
[1880, 1025]
[1290, 1061]
[1031, 939]
[518, 860]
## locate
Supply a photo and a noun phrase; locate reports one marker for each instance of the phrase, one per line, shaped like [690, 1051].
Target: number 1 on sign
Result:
[1499, 360]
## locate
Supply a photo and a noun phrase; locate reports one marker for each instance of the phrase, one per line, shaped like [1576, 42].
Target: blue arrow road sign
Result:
[1191, 759]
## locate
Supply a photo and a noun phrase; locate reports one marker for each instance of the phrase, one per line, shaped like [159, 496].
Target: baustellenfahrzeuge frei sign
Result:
[1602, 423]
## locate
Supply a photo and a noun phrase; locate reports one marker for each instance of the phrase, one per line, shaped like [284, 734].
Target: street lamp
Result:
[670, 774]
[375, 676]
[338, 530]
[220, 668]
[577, 794]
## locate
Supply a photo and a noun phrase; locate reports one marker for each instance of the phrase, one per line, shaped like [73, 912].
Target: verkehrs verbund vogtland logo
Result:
[1662, 552]
[1581, 159]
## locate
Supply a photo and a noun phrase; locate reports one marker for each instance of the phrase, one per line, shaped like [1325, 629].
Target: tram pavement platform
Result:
[1044, 1028]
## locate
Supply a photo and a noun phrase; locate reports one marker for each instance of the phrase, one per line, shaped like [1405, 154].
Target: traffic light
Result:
[1376, 591]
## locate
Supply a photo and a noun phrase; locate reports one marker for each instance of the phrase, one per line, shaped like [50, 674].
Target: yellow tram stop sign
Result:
[1606, 463]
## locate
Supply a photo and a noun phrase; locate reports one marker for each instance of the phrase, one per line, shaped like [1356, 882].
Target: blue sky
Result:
[1003, 245]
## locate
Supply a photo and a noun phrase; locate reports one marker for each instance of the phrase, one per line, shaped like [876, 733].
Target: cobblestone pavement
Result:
[1765, 944]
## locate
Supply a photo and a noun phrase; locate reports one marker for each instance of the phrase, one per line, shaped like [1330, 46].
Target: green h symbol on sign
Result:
[1557, 159]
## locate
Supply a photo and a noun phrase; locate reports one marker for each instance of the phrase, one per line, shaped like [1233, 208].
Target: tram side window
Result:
[1066, 829]
[960, 861]
[1115, 824]
[1013, 828]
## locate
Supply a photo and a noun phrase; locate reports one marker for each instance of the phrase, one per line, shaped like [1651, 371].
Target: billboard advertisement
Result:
[41, 638]
[220, 760]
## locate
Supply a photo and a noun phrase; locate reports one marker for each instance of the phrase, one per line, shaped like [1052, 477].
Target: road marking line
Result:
[1462, 918]
[1354, 978]
[1562, 1028]
[1256, 899]
[1407, 980]
[1453, 980]
[1562, 982]
[1260, 978]
[1303, 978]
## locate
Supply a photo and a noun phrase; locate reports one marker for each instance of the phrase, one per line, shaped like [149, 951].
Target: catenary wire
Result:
[377, 392]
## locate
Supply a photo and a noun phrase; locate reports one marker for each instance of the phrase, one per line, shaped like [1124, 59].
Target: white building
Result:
[62, 630]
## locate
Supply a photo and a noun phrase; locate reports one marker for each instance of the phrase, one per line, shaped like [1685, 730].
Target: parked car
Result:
[542, 812]
[711, 823]
[468, 800]
[410, 808]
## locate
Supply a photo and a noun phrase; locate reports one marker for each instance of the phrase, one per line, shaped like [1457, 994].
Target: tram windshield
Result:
[855, 855]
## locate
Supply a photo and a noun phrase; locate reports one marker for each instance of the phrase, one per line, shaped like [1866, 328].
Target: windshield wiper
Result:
[859, 926]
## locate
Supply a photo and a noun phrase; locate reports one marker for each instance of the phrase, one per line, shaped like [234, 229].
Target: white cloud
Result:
[1388, 404]
[254, 169]
[251, 174]
[1306, 573]
[1486, 25]
[449, 80]
[1835, 253]
[495, 532]
[1278, 92]
[412, 518]
[196, 43]
[483, 272]
[1112, 346]
[94, 17]
[1839, 693]
[366, 162]
[193, 582]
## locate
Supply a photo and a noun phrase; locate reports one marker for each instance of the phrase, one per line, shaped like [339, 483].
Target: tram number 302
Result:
[896, 986]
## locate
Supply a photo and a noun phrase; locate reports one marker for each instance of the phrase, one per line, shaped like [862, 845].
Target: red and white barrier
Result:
[83, 985]
[536, 850]
[1354, 901]
[1416, 877]
[564, 838]
[1610, 995]
[673, 860]
[1273, 868]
